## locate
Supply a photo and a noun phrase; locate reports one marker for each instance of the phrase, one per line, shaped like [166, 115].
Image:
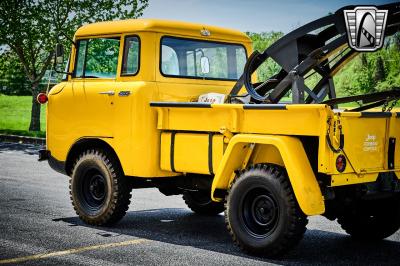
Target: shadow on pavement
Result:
[30, 149]
[181, 227]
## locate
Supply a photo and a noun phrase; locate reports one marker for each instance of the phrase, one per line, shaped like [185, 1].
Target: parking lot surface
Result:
[38, 226]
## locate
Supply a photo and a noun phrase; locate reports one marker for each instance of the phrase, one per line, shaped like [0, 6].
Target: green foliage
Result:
[12, 78]
[372, 72]
[261, 41]
[102, 57]
[32, 27]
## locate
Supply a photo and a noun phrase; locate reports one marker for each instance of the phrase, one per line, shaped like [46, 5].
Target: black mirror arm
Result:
[67, 37]
[63, 72]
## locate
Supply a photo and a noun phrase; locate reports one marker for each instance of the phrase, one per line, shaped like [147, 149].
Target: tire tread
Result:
[297, 226]
[121, 193]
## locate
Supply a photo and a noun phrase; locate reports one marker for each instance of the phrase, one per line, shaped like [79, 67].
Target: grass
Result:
[15, 114]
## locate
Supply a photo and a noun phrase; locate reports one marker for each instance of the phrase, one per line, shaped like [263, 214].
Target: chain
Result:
[392, 105]
[328, 138]
[385, 105]
[328, 132]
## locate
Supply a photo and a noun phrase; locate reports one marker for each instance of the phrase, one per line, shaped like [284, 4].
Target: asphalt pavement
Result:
[39, 226]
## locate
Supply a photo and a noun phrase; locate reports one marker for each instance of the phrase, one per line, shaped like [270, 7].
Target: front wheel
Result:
[262, 214]
[99, 191]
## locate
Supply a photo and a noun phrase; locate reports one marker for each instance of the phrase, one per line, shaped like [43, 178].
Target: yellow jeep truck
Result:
[172, 105]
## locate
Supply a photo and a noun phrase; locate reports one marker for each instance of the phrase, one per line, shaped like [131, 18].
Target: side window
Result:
[102, 58]
[97, 58]
[130, 60]
[80, 58]
[190, 62]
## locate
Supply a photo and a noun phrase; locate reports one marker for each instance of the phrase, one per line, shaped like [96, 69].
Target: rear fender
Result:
[291, 155]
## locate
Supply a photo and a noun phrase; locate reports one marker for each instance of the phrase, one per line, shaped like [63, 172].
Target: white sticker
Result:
[370, 143]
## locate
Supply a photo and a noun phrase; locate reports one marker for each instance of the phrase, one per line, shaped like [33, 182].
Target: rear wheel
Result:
[99, 191]
[372, 220]
[200, 202]
[262, 214]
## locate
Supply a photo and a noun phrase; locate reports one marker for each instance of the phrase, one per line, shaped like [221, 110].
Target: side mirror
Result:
[205, 65]
[59, 53]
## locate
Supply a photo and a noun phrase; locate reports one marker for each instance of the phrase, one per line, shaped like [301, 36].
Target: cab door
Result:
[94, 85]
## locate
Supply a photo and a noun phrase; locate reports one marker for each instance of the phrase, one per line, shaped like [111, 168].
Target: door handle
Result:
[107, 92]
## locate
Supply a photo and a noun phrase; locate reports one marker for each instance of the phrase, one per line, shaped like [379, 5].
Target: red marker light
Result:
[42, 98]
[341, 163]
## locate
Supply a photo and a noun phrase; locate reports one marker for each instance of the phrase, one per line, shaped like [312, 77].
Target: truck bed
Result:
[370, 137]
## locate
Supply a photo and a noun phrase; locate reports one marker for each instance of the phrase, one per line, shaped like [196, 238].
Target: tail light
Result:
[42, 98]
[341, 163]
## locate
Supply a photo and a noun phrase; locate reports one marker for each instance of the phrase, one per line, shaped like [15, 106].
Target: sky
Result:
[249, 15]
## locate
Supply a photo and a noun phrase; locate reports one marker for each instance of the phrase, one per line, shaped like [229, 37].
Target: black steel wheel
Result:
[99, 191]
[261, 212]
[372, 220]
[200, 202]
[94, 189]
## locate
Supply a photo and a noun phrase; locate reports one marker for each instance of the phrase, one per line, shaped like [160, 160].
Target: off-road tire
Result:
[274, 223]
[99, 191]
[372, 220]
[200, 202]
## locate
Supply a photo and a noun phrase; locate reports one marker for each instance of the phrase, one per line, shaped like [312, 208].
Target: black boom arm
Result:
[319, 47]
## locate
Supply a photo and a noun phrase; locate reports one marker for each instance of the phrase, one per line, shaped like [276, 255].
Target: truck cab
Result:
[119, 67]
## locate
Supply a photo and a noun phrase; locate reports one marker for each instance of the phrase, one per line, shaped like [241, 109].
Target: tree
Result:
[379, 70]
[12, 78]
[363, 58]
[32, 27]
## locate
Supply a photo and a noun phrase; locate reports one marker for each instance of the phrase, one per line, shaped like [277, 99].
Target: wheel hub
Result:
[97, 187]
[263, 210]
[94, 189]
[260, 212]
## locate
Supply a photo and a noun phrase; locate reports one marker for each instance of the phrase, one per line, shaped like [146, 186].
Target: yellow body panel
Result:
[267, 153]
[366, 148]
[161, 26]
[298, 119]
[302, 178]
[368, 141]
[191, 152]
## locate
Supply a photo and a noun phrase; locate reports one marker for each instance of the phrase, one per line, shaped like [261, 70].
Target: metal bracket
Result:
[391, 152]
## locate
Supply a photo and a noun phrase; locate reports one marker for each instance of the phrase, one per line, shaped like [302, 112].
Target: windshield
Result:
[189, 58]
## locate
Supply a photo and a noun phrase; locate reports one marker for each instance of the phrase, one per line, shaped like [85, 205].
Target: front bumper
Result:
[56, 165]
[43, 155]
